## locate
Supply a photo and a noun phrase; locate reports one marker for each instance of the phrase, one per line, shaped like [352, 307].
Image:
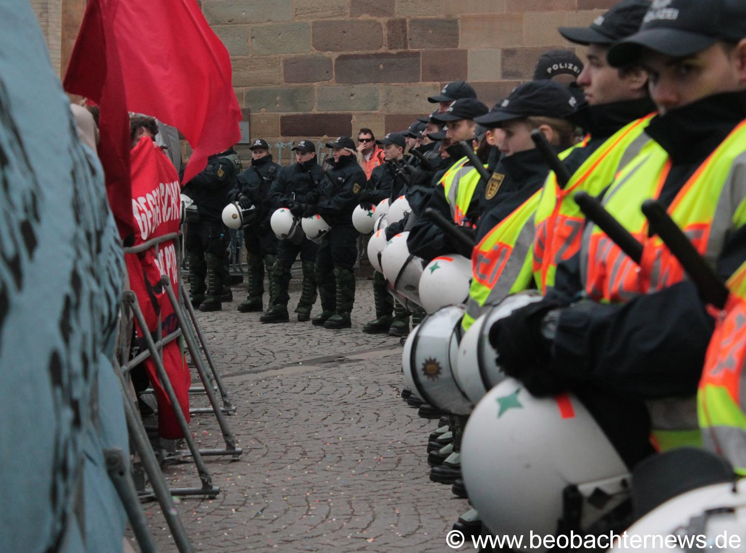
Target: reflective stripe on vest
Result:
[501, 262]
[559, 221]
[721, 398]
[708, 208]
[459, 184]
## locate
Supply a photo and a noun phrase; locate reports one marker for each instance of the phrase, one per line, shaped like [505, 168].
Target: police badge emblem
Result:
[356, 188]
[496, 181]
[221, 173]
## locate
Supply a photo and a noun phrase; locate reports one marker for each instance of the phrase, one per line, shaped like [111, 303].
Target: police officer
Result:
[291, 190]
[457, 194]
[252, 189]
[387, 181]
[334, 202]
[208, 240]
[642, 332]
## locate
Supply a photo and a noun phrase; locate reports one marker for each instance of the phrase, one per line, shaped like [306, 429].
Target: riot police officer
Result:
[261, 243]
[291, 190]
[335, 202]
[207, 241]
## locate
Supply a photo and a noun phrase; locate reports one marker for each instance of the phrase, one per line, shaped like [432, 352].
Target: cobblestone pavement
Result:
[333, 459]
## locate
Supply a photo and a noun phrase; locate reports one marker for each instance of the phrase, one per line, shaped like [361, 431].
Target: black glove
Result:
[524, 352]
[422, 177]
[312, 197]
[462, 249]
[364, 197]
[244, 201]
[310, 211]
[366, 205]
[296, 208]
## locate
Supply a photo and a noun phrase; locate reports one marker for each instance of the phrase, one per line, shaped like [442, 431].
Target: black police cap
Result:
[304, 146]
[454, 91]
[341, 142]
[619, 22]
[557, 62]
[415, 129]
[259, 143]
[436, 136]
[681, 28]
[393, 138]
[531, 99]
[466, 108]
[427, 118]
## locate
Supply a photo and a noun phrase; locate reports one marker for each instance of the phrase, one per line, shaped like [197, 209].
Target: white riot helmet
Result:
[364, 220]
[383, 207]
[189, 213]
[709, 513]
[236, 217]
[402, 271]
[376, 245]
[286, 226]
[429, 358]
[445, 281]
[477, 371]
[398, 210]
[520, 454]
[315, 227]
[381, 223]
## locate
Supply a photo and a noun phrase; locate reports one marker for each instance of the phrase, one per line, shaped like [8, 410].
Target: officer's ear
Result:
[635, 77]
[550, 134]
[739, 56]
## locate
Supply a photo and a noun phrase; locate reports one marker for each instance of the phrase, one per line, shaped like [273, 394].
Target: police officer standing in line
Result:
[640, 337]
[456, 197]
[261, 243]
[335, 201]
[207, 241]
[291, 190]
[385, 182]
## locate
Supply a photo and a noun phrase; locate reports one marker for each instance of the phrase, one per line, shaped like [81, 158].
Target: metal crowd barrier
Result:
[190, 331]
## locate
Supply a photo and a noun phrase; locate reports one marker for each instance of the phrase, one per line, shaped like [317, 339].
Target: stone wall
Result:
[49, 13]
[307, 68]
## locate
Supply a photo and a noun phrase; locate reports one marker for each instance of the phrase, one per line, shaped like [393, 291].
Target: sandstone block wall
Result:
[308, 68]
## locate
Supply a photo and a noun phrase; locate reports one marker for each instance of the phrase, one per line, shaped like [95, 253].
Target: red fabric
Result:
[176, 69]
[95, 71]
[156, 205]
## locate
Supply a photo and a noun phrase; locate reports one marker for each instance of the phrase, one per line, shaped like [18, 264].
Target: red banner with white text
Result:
[156, 206]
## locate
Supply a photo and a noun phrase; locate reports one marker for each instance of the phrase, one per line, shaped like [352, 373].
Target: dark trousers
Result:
[207, 249]
[287, 253]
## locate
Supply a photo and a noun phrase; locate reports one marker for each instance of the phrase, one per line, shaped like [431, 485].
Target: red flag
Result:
[95, 72]
[176, 69]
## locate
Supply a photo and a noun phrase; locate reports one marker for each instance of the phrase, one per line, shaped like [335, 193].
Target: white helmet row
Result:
[445, 281]
[402, 271]
[429, 358]
[315, 227]
[236, 217]
[383, 207]
[286, 226]
[520, 454]
[398, 210]
[364, 219]
[477, 370]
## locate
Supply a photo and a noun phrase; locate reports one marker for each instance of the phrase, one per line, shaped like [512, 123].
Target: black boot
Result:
[345, 281]
[212, 300]
[400, 325]
[384, 307]
[253, 302]
[197, 273]
[278, 291]
[327, 291]
[308, 292]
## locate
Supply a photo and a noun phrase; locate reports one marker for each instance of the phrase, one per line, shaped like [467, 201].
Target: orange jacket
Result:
[376, 159]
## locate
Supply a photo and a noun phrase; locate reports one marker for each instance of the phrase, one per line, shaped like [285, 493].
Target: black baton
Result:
[474, 160]
[449, 228]
[550, 158]
[597, 214]
[707, 281]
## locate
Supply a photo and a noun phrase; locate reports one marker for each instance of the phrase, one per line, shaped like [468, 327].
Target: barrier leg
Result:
[230, 442]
